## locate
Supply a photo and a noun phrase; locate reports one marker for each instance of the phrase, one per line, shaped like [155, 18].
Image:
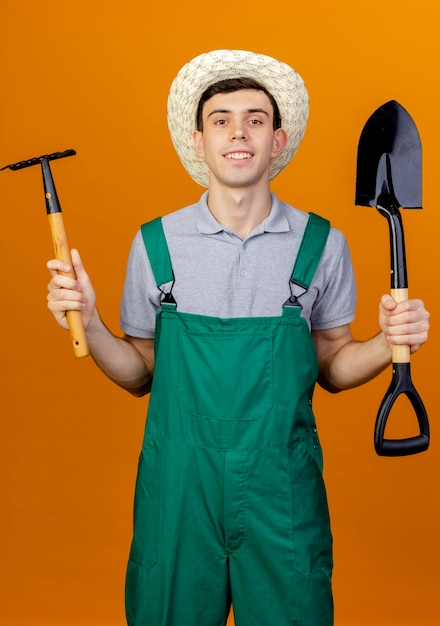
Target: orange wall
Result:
[94, 76]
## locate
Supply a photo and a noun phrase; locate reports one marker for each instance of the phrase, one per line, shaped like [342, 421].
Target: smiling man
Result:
[233, 308]
[237, 139]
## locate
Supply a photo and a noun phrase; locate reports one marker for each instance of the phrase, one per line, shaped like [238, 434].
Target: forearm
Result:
[119, 359]
[127, 361]
[355, 363]
[345, 363]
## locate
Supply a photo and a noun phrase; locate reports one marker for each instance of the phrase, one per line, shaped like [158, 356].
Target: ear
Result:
[279, 141]
[198, 143]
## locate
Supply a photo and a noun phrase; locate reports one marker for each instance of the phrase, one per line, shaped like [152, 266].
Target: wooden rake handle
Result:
[62, 253]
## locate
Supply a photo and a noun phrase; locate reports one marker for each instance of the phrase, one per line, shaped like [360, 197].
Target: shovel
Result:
[53, 209]
[389, 176]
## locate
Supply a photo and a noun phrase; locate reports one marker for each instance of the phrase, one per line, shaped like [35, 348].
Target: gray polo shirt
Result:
[220, 274]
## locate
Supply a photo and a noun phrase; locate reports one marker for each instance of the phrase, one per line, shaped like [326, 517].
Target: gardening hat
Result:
[280, 80]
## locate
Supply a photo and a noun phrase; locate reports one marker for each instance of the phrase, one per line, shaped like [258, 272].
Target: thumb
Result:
[84, 285]
[77, 263]
[388, 303]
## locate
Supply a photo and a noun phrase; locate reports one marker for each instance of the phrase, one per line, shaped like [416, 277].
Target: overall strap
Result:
[310, 251]
[158, 254]
[157, 250]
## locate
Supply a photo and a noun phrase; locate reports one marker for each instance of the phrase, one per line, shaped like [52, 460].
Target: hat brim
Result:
[284, 84]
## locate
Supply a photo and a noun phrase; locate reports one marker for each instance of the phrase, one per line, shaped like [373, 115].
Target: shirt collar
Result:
[275, 222]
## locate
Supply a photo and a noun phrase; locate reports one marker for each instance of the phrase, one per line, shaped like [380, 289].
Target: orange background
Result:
[94, 76]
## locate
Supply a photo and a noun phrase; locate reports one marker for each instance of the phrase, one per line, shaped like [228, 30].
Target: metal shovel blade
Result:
[390, 131]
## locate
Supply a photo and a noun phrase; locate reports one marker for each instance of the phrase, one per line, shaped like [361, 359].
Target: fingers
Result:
[75, 269]
[64, 299]
[55, 267]
[64, 294]
[69, 289]
[63, 281]
[409, 312]
[404, 323]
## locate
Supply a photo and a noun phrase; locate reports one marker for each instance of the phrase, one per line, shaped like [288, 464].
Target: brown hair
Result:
[228, 85]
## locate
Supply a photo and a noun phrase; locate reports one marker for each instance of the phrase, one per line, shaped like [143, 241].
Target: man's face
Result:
[238, 139]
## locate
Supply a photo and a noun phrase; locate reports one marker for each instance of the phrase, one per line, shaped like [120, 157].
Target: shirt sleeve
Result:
[140, 297]
[336, 293]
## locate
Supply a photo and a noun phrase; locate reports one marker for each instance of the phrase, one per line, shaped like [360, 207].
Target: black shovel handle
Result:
[401, 383]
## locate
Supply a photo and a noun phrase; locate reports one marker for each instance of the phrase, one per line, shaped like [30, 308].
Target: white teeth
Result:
[239, 155]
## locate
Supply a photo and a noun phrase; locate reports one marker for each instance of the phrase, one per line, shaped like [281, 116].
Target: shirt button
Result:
[243, 272]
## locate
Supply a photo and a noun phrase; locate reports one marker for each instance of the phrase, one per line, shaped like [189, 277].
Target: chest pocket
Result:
[226, 375]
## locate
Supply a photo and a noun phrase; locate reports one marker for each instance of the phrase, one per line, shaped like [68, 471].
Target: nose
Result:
[238, 130]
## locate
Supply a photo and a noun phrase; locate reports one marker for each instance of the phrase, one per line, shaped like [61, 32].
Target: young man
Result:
[238, 304]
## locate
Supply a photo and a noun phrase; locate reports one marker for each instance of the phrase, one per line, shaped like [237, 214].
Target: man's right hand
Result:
[70, 294]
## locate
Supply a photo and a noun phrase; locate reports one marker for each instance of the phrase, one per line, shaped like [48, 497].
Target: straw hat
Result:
[285, 85]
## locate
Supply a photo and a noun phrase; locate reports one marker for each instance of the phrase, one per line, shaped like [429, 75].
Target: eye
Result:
[220, 122]
[255, 122]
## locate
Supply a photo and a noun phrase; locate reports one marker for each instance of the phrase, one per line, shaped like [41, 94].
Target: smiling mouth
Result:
[238, 156]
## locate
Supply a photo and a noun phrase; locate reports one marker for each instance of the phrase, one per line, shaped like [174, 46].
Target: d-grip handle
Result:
[401, 383]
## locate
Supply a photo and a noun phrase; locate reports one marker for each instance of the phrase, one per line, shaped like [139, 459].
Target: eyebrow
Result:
[247, 111]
